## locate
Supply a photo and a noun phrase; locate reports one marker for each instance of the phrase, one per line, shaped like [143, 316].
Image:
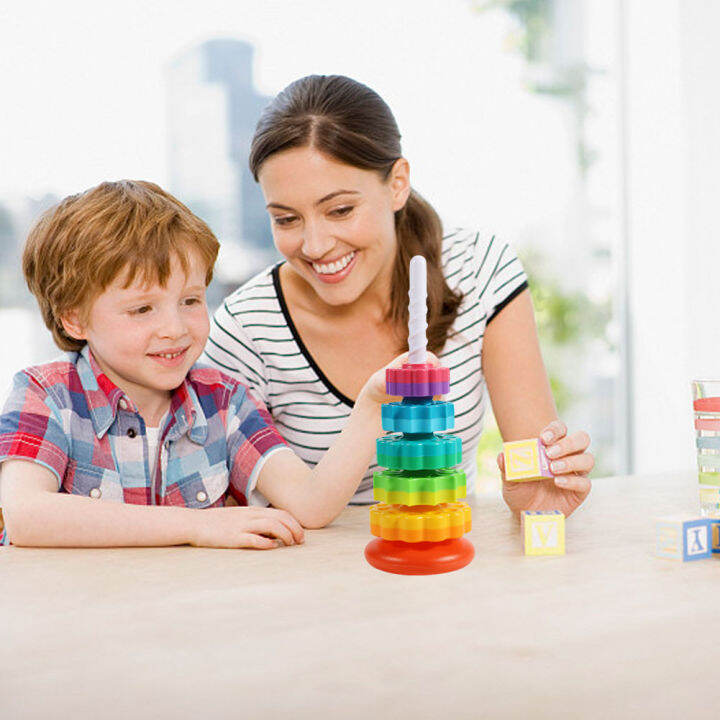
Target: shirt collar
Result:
[104, 398]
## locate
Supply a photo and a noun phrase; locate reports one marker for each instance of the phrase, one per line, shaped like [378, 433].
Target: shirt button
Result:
[123, 403]
[131, 433]
[201, 496]
[95, 493]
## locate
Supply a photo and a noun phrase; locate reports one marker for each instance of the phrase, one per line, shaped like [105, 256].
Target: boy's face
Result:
[146, 338]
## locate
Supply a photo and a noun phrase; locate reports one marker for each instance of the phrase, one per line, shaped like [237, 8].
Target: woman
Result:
[307, 333]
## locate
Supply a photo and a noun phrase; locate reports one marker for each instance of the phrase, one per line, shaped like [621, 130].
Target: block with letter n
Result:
[543, 532]
[683, 538]
[526, 460]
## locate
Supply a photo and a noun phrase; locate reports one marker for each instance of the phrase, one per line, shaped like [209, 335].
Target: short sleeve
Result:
[251, 438]
[230, 349]
[499, 276]
[31, 427]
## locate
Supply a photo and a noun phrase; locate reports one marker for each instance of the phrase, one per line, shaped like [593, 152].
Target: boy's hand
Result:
[245, 527]
[569, 462]
[374, 389]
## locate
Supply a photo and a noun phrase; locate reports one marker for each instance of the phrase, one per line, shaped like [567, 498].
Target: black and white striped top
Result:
[253, 338]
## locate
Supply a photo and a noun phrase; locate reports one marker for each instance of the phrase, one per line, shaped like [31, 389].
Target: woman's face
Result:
[334, 222]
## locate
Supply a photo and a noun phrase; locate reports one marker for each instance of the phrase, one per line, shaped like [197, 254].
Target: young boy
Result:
[125, 440]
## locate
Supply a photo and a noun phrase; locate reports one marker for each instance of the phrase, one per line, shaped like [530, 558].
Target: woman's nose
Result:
[315, 242]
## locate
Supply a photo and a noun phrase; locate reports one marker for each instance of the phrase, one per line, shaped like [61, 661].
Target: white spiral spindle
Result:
[417, 324]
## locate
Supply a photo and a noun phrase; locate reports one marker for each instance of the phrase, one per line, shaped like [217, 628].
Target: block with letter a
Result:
[683, 538]
[543, 533]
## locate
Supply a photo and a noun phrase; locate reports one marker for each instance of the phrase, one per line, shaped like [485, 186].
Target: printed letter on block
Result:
[714, 535]
[543, 533]
[683, 538]
[526, 460]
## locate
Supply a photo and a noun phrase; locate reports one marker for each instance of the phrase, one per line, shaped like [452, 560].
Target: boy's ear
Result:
[73, 325]
[400, 183]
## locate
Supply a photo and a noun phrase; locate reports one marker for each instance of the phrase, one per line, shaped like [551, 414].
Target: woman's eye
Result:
[283, 219]
[342, 211]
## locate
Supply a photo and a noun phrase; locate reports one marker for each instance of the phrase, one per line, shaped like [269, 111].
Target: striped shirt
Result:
[253, 338]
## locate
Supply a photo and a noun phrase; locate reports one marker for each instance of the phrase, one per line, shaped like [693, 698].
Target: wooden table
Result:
[314, 632]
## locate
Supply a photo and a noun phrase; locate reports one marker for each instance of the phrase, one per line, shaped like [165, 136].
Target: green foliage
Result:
[533, 18]
[567, 317]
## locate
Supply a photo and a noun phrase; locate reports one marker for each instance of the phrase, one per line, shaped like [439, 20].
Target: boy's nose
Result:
[172, 325]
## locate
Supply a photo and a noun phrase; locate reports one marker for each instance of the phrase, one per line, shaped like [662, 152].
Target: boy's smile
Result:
[145, 337]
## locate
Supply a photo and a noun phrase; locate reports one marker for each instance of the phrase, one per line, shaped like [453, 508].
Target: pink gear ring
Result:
[417, 380]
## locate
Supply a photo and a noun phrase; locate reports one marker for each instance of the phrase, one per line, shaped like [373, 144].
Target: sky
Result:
[83, 91]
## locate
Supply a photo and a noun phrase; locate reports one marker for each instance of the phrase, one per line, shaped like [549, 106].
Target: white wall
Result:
[673, 146]
[700, 67]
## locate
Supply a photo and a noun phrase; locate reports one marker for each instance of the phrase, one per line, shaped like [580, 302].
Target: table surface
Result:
[313, 631]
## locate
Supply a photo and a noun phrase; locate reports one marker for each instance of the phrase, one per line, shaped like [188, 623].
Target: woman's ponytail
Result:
[419, 232]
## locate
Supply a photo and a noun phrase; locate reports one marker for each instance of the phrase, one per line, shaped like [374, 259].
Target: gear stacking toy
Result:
[419, 523]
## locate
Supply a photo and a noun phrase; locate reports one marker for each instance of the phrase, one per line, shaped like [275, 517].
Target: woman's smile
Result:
[336, 271]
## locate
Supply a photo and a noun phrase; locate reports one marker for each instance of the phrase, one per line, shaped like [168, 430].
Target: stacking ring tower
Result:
[419, 522]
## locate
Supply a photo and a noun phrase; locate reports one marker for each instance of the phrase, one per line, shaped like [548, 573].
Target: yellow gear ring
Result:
[420, 523]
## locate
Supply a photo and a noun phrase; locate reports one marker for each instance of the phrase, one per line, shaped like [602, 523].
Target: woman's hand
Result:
[569, 462]
[374, 389]
[245, 527]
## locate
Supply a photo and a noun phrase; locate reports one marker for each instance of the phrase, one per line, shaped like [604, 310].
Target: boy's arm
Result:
[37, 515]
[316, 497]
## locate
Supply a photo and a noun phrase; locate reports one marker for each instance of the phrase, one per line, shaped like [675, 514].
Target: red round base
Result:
[421, 558]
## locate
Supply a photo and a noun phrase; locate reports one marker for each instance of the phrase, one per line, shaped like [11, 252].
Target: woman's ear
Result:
[73, 325]
[400, 183]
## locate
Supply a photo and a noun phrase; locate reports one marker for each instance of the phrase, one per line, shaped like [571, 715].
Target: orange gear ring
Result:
[420, 523]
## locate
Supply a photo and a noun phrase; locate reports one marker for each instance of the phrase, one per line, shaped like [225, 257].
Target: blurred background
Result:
[585, 132]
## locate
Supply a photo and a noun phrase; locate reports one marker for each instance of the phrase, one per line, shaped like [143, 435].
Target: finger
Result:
[257, 542]
[270, 526]
[580, 464]
[576, 483]
[554, 431]
[578, 442]
[398, 361]
[501, 463]
[292, 524]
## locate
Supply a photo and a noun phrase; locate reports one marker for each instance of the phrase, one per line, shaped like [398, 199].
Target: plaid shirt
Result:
[70, 418]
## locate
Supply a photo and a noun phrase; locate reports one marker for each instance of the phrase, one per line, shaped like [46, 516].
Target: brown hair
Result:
[77, 248]
[350, 122]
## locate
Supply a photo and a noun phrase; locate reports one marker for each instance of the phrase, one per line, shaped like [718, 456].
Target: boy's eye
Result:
[192, 300]
[283, 219]
[141, 310]
[342, 211]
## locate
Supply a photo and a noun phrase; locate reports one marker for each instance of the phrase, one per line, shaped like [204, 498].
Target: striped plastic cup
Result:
[706, 411]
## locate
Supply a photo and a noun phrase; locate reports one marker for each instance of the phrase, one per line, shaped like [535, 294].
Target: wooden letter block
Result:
[543, 533]
[526, 460]
[714, 535]
[683, 538]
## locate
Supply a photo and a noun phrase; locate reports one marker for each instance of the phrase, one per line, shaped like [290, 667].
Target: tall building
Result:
[213, 107]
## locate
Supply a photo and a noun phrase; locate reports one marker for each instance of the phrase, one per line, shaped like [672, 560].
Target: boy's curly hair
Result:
[81, 245]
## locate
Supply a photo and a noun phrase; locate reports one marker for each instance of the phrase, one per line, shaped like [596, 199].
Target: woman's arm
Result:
[523, 407]
[37, 515]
